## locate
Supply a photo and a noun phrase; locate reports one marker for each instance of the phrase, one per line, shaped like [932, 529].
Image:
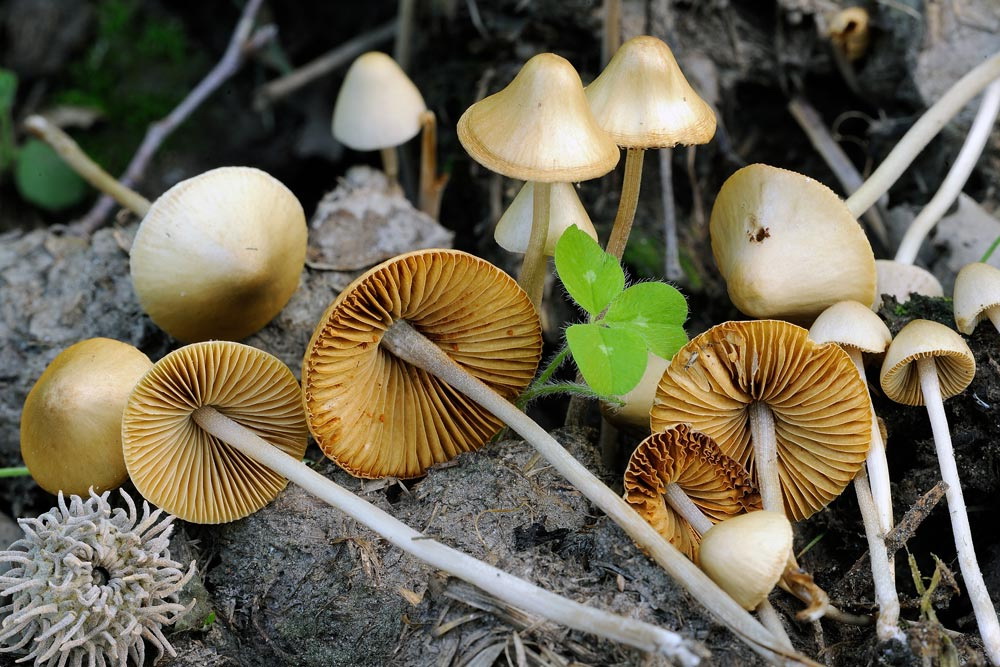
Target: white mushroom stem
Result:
[953, 183]
[629, 200]
[504, 586]
[887, 624]
[390, 164]
[532, 277]
[765, 456]
[986, 615]
[918, 136]
[403, 341]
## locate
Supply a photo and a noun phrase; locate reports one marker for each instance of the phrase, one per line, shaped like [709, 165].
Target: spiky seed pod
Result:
[91, 582]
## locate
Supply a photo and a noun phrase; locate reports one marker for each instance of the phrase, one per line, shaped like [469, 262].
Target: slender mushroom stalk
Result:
[431, 183]
[927, 362]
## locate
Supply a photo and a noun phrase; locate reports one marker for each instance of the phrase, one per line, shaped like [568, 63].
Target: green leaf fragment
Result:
[612, 361]
[591, 276]
[45, 180]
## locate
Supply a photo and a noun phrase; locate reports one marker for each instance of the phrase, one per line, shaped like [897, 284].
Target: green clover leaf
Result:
[612, 361]
[591, 276]
[654, 311]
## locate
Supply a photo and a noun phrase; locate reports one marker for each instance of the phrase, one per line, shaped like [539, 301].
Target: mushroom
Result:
[215, 429]
[71, 419]
[643, 101]
[219, 255]
[787, 246]
[380, 320]
[538, 129]
[926, 363]
[513, 230]
[858, 330]
[977, 296]
[900, 280]
[633, 410]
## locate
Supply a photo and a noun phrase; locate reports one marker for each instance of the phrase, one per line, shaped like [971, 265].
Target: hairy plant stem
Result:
[14, 472]
[629, 200]
[532, 276]
[506, 587]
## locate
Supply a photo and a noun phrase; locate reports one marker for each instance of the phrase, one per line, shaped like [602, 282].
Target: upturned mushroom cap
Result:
[787, 246]
[643, 100]
[378, 416]
[378, 106]
[514, 227]
[901, 280]
[539, 128]
[719, 486]
[71, 420]
[219, 255]
[977, 289]
[956, 366]
[178, 466]
[821, 409]
[634, 410]
[850, 324]
[746, 555]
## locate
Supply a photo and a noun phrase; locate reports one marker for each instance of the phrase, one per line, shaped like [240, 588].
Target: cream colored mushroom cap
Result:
[539, 128]
[746, 555]
[219, 255]
[977, 289]
[636, 404]
[900, 280]
[787, 246]
[71, 419]
[514, 227]
[921, 339]
[643, 100]
[378, 106]
[850, 324]
[180, 467]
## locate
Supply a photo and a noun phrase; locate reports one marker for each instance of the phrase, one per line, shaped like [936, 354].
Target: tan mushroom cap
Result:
[514, 227]
[643, 100]
[719, 486]
[378, 416]
[787, 245]
[378, 106]
[920, 339]
[539, 128]
[184, 470]
[821, 409]
[71, 419]
[977, 289]
[219, 255]
[901, 280]
[634, 410]
[850, 324]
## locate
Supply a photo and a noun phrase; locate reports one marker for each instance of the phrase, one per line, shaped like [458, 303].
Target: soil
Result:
[297, 583]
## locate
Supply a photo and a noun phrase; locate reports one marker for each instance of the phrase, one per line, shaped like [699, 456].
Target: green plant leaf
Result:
[8, 93]
[45, 180]
[591, 276]
[654, 311]
[612, 361]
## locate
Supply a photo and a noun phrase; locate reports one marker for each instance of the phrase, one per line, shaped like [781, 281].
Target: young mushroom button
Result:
[977, 296]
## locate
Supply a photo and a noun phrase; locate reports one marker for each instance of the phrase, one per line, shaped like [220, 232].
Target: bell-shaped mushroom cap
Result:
[514, 227]
[747, 555]
[977, 289]
[539, 128]
[635, 405]
[377, 106]
[787, 246]
[901, 280]
[822, 413]
[920, 339]
[850, 324]
[375, 414]
[219, 255]
[71, 420]
[643, 100]
[719, 486]
[178, 466]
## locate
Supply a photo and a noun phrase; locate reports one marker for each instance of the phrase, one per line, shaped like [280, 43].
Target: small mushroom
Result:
[513, 230]
[900, 280]
[71, 419]
[977, 296]
[633, 411]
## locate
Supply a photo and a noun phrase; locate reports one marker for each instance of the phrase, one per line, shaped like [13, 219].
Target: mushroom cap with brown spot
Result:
[850, 324]
[719, 486]
[787, 245]
[539, 128]
[178, 466]
[921, 339]
[977, 289]
[375, 414]
[643, 100]
[822, 413]
[71, 419]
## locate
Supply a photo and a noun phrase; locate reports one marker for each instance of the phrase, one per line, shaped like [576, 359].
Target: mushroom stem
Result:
[431, 185]
[887, 624]
[506, 587]
[986, 615]
[765, 456]
[90, 171]
[918, 136]
[406, 343]
[953, 183]
[390, 165]
[629, 200]
[672, 269]
[532, 277]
